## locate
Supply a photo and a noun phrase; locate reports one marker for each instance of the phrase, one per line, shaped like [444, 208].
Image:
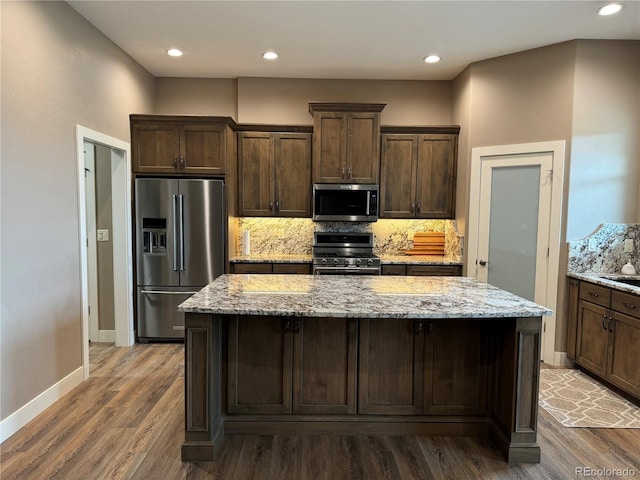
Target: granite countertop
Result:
[358, 296]
[607, 280]
[384, 259]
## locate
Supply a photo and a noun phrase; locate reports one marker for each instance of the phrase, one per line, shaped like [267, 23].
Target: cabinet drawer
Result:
[251, 268]
[595, 294]
[301, 268]
[626, 303]
[436, 270]
[394, 270]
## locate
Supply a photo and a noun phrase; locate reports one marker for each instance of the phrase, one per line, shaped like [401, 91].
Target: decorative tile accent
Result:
[576, 400]
[294, 236]
[607, 255]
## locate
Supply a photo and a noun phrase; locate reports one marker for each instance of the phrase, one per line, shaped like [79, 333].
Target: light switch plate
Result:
[103, 235]
[628, 245]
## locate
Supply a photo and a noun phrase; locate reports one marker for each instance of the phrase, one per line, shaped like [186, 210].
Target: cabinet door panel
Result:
[436, 176]
[260, 356]
[293, 175]
[624, 361]
[329, 147]
[324, 374]
[255, 185]
[363, 148]
[156, 148]
[455, 368]
[390, 367]
[591, 348]
[294, 268]
[203, 149]
[398, 176]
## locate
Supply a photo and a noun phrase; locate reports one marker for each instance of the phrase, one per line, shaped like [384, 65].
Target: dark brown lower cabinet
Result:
[455, 368]
[422, 270]
[261, 267]
[607, 335]
[291, 365]
[422, 367]
[390, 370]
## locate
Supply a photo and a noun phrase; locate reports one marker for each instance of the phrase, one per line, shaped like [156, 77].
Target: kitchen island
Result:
[285, 354]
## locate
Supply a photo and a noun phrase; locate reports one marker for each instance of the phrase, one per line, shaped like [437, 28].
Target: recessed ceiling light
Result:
[610, 9]
[269, 55]
[174, 52]
[432, 59]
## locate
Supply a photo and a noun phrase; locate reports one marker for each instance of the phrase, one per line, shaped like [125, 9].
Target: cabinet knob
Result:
[419, 328]
[349, 172]
[277, 205]
[182, 161]
[175, 162]
[413, 207]
[270, 205]
[604, 319]
[343, 172]
[418, 208]
[610, 324]
[593, 294]
[630, 306]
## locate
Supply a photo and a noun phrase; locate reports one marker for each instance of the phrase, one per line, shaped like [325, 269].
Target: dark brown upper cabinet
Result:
[274, 171]
[346, 142]
[418, 174]
[174, 145]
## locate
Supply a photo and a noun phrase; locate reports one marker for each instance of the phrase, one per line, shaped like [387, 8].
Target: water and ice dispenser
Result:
[154, 236]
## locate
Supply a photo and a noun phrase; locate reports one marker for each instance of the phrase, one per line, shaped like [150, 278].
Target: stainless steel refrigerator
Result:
[180, 242]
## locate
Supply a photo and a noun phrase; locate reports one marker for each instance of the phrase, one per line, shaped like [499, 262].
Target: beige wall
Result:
[197, 96]
[603, 186]
[57, 71]
[286, 101]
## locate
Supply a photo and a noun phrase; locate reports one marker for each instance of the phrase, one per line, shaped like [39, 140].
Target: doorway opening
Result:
[116, 154]
[515, 215]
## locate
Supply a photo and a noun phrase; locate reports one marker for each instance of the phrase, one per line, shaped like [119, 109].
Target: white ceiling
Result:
[344, 39]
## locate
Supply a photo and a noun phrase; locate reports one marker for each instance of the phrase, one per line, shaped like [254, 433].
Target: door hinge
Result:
[544, 327]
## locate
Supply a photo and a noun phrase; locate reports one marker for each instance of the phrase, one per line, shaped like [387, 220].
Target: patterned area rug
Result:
[576, 400]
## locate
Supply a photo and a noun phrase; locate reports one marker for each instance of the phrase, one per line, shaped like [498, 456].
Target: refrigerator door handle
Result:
[174, 199]
[181, 210]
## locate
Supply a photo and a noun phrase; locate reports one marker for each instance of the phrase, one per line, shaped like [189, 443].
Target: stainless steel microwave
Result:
[339, 202]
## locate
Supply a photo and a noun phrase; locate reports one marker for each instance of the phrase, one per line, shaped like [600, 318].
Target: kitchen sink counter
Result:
[277, 354]
[377, 297]
[609, 280]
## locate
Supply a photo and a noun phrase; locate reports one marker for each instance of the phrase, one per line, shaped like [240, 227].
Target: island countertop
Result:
[358, 297]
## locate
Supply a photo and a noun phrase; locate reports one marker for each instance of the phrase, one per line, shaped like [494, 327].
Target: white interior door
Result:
[513, 234]
[514, 224]
[92, 254]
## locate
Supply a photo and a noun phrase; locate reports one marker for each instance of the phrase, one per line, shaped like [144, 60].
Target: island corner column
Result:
[514, 401]
[203, 423]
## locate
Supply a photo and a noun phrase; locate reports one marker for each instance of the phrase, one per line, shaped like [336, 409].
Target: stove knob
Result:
[324, 261]
[336, 261]
[370, 261]
[358, 261]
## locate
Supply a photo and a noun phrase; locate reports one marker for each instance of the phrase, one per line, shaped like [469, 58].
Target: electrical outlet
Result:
[628, 245]
[593, 245]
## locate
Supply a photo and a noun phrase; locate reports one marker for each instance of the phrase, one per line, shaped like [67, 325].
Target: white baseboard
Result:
[560, 359]
[107, 336]
[35, 407]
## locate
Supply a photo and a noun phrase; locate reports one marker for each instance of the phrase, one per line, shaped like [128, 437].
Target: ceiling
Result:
[344, 39]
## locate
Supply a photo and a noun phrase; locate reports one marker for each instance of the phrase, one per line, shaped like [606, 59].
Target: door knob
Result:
[483, 263]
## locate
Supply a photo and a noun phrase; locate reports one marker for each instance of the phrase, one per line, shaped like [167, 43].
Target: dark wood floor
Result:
[126, 422]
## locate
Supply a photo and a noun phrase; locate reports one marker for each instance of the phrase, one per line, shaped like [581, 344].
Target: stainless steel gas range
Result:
[337, 253]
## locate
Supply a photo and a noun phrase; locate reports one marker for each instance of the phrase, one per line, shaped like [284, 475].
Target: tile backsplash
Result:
[294, 236]
[603, 250]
